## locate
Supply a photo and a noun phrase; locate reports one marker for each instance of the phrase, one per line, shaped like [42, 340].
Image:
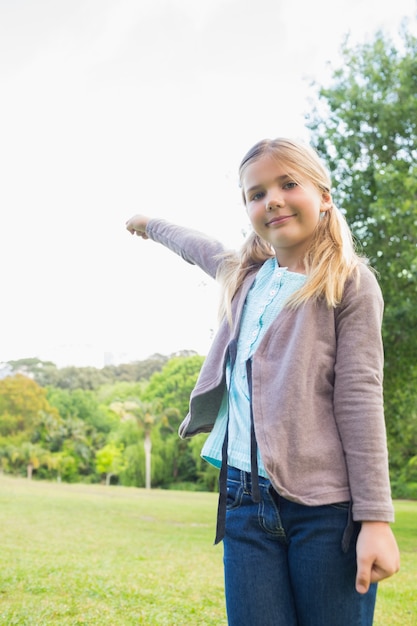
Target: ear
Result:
[326, 201]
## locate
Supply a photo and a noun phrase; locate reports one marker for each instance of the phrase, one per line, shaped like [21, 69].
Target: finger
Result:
[380, 573]
[363, 580]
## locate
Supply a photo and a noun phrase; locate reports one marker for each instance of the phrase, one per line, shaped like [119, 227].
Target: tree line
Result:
[120, 423]
[117, 431]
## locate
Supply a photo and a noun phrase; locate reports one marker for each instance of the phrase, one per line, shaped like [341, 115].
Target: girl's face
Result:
[283, 212]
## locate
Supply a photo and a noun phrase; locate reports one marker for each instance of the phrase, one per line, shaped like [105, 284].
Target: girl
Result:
[291, 393]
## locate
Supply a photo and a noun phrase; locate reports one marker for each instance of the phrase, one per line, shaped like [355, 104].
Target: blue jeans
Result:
[284, 563]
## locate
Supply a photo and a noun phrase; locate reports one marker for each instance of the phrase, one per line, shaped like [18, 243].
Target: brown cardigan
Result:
[317, 389]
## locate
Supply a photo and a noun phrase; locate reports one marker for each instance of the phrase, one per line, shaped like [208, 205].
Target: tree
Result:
[82, 404]
[61, 465]
[32, 456]
[46, 373]
[23, 406]
[109, 461]
[119, 391]
[172, 386]
[147, 415]
[365, 125]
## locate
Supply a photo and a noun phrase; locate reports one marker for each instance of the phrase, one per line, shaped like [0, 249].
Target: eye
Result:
[257, 196]
[290, 185]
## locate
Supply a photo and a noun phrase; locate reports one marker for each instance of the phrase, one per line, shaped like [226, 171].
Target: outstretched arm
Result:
[191, 245]
[377, 554]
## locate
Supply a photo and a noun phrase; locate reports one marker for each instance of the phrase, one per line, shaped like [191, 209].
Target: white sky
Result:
[114, 108]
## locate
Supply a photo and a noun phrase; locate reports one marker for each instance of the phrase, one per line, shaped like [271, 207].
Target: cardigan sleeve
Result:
[358, 398]
[193, 246]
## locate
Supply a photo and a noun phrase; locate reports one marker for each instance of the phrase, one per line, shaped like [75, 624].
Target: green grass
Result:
[114, 556]
[75, 554]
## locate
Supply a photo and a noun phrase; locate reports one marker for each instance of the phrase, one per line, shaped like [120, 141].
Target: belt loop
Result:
[348, 532]
[244, 480]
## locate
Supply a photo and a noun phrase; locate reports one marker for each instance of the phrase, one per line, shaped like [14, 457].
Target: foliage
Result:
[119, 391]
[82, 405]
[365, 125]
[47, 374]
[124, 431]
[173, 385]
[109, 461]
[147, 415]
[207, 475]
[79, 415]
[22, 406]
[28, 425]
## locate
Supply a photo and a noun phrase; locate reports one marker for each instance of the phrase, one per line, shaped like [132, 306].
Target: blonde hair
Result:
[331, 258]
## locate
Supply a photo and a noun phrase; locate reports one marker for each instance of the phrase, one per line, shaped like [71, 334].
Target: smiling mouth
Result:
[279, 220]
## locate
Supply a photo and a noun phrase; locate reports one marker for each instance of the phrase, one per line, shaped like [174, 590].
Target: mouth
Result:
[279, 220]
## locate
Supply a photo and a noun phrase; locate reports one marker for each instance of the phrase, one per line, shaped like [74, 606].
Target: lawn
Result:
[114, 556]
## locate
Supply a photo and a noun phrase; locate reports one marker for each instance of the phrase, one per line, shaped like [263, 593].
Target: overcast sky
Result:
[118, 107]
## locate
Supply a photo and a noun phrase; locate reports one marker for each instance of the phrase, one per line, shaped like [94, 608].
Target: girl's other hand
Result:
[137, 225]
[377, 554]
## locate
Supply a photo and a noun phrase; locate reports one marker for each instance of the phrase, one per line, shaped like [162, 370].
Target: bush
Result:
[404, 490]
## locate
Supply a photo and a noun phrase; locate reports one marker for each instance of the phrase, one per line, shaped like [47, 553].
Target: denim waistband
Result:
[245, 478]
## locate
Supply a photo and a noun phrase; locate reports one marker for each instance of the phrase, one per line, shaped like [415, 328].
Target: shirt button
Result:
[272, 292]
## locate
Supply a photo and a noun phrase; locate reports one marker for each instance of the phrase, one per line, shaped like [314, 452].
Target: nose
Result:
[274, 200]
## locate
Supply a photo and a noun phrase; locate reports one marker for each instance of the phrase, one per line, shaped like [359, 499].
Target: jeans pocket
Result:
[234, 494]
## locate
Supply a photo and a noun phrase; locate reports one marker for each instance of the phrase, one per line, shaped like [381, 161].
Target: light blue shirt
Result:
[271, 289]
